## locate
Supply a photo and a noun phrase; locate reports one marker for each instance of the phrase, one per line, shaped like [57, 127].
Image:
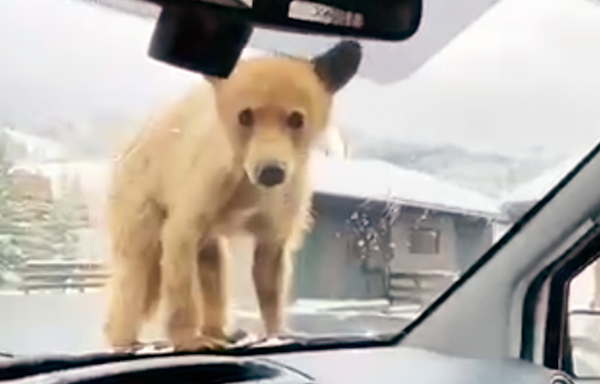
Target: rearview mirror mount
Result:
[201, 39]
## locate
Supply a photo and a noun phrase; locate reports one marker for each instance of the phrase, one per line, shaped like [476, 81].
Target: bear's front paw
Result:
[198, 344]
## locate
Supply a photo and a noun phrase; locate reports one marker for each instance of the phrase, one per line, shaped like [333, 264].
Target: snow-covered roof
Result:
[378, 180]
[249, 53]
[364, 179]
[39, 148]
[536, 189]
[92, 175]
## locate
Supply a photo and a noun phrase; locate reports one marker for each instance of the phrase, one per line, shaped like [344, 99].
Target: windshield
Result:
[413, 181]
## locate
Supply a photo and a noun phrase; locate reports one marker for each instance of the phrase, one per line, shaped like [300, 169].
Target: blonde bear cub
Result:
[230, 157]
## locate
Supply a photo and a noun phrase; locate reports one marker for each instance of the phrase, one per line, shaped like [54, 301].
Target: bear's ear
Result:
[338, 65]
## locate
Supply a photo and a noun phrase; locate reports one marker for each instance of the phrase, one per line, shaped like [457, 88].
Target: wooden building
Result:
[373, 218]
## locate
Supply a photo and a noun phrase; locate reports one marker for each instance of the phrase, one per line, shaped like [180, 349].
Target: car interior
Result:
[505, 320]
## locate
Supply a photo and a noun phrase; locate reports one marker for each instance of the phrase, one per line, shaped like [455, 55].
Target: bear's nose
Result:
[271, 174]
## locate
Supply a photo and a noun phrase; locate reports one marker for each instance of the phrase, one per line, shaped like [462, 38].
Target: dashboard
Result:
[379, 365]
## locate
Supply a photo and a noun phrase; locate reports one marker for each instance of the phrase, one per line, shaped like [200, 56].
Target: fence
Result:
[61, 275]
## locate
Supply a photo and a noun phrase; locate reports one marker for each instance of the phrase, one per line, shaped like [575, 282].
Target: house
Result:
[31, 185]
[372, 216]
[88, 180]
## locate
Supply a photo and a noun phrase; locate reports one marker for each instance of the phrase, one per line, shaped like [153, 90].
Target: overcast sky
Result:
[524, 79]
[525, 76]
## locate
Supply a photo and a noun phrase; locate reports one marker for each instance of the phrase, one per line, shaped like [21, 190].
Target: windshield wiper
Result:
[300, 342]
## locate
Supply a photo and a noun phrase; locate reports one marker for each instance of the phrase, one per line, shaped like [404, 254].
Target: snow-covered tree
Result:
[69, 214]
[11, 254]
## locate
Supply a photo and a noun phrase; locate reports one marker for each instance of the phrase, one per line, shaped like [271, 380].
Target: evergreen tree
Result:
[11, 255]
[36, 214]
[35, 221]
[68, 215]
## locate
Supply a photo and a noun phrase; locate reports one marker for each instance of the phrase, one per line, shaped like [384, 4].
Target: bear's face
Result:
[274, 109]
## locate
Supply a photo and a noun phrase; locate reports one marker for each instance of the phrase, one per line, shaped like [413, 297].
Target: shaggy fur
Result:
[230, 157]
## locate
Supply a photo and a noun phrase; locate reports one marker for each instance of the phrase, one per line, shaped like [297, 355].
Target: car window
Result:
[584, 321]
[412, 180]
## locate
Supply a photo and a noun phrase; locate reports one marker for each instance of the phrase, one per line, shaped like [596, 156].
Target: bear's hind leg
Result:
[135, 279]
[132, 298]
[212, 274]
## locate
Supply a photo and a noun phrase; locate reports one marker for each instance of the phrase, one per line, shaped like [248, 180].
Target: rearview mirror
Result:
[208, 36]
[391, 20]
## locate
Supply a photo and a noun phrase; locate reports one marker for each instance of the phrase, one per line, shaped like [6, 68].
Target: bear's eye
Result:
[246, 118]
[295, 120]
